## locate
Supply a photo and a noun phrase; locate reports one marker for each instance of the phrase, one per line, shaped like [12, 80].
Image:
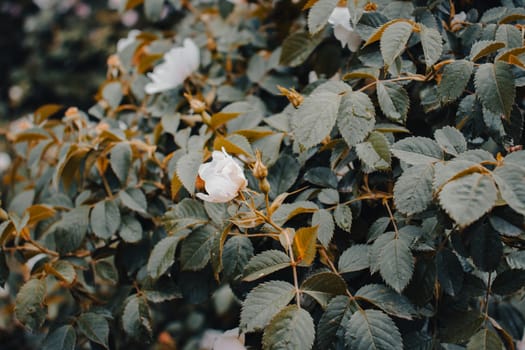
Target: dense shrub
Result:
[363, 184]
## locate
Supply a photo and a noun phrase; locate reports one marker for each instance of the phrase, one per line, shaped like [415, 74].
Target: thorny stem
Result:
[42, 248]
[334, 270]
[416, 77]
[267, 218]
[365, 196]
[487, 295]
[294, 270]
[385, 203]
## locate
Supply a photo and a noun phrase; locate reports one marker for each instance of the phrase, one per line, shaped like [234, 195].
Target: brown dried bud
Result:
[72, 112]
[113, 61]
[197, 105]
[264, 186]
[260, 171]
[293, 96]
[370, 6]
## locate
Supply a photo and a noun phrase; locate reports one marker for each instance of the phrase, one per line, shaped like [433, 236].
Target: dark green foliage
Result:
[381, 210]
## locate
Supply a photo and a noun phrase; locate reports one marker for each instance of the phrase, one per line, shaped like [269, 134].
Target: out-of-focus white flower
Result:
[223, 178]
[124, 42]
[178, 64]
[114, 4]
[129, 18]
[457, 21]
[229, 340]
[343, 31]
[20, 125]
[5, 161]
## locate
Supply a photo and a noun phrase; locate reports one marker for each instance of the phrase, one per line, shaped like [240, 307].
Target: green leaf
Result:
[321, 176]
[163, 290]
[483, 48]
[332, 322]
[134, 199]
[313, 120]
[297, 47]
[393, 100]
[343, 217]
[354, 259]
[413, 189]
[95, 327]
[324, 286]
[288, 210]
[106, 270]
[495, 87]
[459, 326]
[510, 180]
[485, 248]
[468, 198]
[456, 76]
[136, 319]
[112, 93]
[451, 140]
[29, 304]
[256, 68]
[510, 35]
[188, 213]
[374, 152]
[69, 232]
[290, 329]
[282, 175]
[121, 157]
[374, 252]
[325, 222]
[153, 9]
[65, 270]
[485, 339]
[396, 264]
[387, 300]
[63, 338]
[372, 330]
[263, 303]
[417, 150]
[265, 263]
[449, 272]
[516, 260]
[130, 229]
[196, 248]
[319, 14]
[356, 117]
[105, 219]
[238, 250]
[508, 282]
[163, 256]
[394, 40]
[431, 41]
[188, 168]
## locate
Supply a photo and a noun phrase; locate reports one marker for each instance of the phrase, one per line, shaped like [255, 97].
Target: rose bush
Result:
[382, 208]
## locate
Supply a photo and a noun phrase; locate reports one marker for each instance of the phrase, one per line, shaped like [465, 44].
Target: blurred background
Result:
[55, 51]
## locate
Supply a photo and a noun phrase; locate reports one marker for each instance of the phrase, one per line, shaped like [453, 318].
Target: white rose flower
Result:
[223, 178]
[343, 31]
[229, 340]
[124, 42]
[178, 64]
